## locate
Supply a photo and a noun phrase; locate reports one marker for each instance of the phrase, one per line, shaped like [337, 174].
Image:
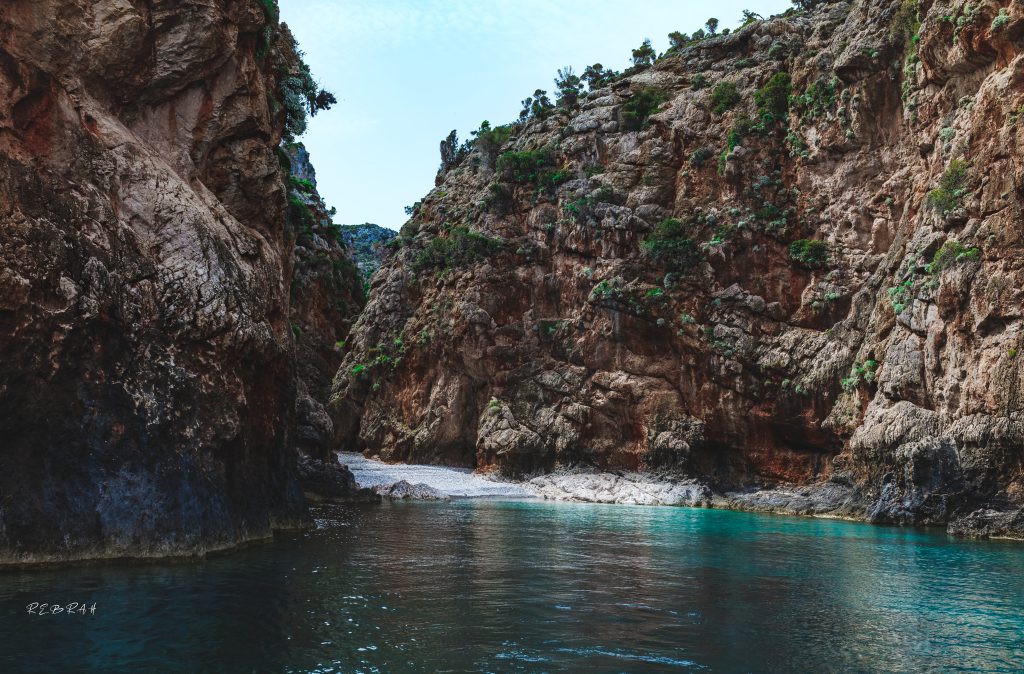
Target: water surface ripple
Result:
[526, 586]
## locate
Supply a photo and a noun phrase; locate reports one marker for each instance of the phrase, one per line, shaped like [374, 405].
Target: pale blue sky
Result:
[406, 72]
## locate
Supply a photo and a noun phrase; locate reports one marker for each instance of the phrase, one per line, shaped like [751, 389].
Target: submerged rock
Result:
[986, 523]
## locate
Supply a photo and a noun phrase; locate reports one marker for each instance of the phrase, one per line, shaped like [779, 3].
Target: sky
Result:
[407, 72]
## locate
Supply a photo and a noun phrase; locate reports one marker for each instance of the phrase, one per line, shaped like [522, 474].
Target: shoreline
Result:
[821, 500]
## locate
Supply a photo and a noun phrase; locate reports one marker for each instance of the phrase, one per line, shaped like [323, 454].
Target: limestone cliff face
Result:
[147, 384]
[326, 294]
[649, 293]
[369, 244]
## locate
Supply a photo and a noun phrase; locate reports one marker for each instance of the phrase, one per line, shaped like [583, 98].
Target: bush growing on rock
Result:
[949, 195]
[699, 156]
[818, 99]
[809, 252]
[671, 244]
[644, 55]
[724, 96]
[865, 373]
[460, 248]
[569, 87]
[301, 184]
[907, 21]
[640, 106]
[773, 97]
[1000, 20]
[300, 95]
[451, 153]
[299, 215]
[749, 18]
[677, 41]
[534, 167]
[949, 254]
[489, 140]
[901, 295]
[597, 76]
[538, 106]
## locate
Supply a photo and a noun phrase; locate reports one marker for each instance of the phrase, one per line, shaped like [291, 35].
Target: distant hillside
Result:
[367, 243]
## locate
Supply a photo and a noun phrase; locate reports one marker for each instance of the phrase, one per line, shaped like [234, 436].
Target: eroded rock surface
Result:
[147, 389]
[623, 488]
[880, 368]
[326, 294]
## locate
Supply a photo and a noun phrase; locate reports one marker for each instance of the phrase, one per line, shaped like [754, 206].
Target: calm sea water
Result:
[532, 587]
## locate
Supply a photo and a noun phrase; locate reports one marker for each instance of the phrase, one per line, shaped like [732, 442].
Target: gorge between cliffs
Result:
[778, 266]
[776, 270]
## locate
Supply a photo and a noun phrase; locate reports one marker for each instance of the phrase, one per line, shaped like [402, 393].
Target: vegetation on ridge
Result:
[460, 247]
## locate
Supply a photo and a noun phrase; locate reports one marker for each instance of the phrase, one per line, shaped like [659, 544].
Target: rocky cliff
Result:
[369, 245]
[147, 389]
[787, 259]
[326, 294]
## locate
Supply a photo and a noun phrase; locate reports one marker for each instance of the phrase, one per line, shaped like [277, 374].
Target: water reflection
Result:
[521, 586]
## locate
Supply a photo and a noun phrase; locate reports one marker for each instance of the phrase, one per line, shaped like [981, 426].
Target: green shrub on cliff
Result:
[640, 106]
[952, 189]
[299, 94]
[907, 21]
[818, 99]
[671, 244]
[531, 167]
[864, 373]
[301, 184]
[299, 215]
[949, 254]
[644, 55]
[460, 248]
[489, 139]
[699, 156]
[597, 76]
[724, 96]
[901, 295]
[809, 252]
[568, 87]
[1001, 19]
[538, 106]
[773, 97]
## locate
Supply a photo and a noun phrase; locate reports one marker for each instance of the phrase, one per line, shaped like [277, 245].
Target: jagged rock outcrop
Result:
[147, 388]
[369, 245]
[331, 482]
[814, 279]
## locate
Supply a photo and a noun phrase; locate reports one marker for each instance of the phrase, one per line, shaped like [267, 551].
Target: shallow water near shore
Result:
[539, 586]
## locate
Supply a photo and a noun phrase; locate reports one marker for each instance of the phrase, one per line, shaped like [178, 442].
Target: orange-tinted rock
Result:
[570, 345]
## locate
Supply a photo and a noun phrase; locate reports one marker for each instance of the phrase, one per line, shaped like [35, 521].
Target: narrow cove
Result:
[492, 585]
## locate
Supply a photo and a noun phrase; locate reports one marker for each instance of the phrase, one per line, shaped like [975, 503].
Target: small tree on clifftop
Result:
[537, 106]
[596, 76]
[569, 87]
[449, 151]
[644, 55]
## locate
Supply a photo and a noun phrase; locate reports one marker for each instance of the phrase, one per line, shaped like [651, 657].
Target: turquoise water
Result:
[533, 587]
